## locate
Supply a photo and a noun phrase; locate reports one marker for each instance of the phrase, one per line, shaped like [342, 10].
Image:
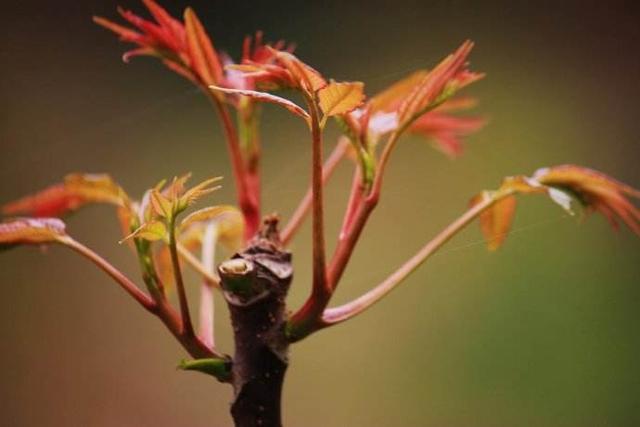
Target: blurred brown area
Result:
[541, 333]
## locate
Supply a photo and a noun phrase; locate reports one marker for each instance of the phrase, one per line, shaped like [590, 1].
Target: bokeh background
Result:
[542, 333]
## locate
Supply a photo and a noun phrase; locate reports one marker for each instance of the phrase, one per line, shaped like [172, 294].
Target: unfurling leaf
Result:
[391, 98]
[438, 85]
[203, 55]
[74, 192]
[597, 191]
[340, 97]
[265, 97]
[445, 130]
[30, 231]
[561, 184]
[162, 206]
[195, 193]
[151, 231]
[185, 48]
[495, 221]
[303, 76]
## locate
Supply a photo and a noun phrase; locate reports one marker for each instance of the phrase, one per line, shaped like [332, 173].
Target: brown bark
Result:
[255, 283]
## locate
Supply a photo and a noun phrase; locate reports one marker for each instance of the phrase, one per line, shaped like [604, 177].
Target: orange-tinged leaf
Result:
[197, 192]
[456, 104]
[95, 188]
[340, 97]
[390, 98]
[165, 20]
[164, 267]
[76, 191]
[306, 77]
[125, 33]
[439, 84]
[599, 192]
[31, 231]
[213, 213]
[229, 220]
[204, 57]
[160, 204]
[265, 97]
[496, 221]
[52, 201]
[446, 131]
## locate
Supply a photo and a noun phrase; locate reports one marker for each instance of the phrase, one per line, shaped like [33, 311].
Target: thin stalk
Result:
[346, 244]
[187, 326]
[206, 293]
[124, 282]
[344, 312]
[355, 198]
[200, 268]
[303, 208]
[317, 207]
[312, 310]
[159, 308]
[382, 163]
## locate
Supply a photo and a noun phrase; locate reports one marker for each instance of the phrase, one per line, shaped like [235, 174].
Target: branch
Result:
[305, 204]
[115, 274]
[344, 312]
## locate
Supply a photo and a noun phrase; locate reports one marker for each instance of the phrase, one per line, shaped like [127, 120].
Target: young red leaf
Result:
[204, 58]
[76, 191]
[31, 231]
[126, 34]
[303, 75]
[599, 192]
[445, 130]
[265, 97]
[438, 85]
[391, 98]
[340, 97]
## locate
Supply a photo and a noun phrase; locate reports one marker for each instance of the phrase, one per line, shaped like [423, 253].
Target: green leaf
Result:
[217, 367]
[152, 231]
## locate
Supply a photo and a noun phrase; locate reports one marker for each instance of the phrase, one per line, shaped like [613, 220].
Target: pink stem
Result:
[305, 204]
[344, 312]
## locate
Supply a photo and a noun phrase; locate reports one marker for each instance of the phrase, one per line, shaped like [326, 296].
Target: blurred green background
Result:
[541, 333]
